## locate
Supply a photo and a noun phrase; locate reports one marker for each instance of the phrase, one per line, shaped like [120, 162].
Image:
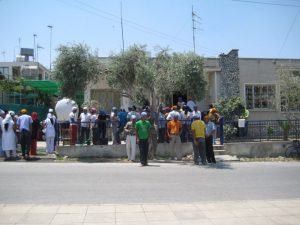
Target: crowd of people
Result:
[145, 127]
[24, 129]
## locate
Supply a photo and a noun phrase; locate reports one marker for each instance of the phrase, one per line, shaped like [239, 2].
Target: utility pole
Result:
[51, 27]
[19, 45]
[122, 27]
[34, 48]
[194, 16]
[193, 19]
[3, 53]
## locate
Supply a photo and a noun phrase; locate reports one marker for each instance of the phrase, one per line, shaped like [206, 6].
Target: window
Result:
[260, 96]
[4, 72]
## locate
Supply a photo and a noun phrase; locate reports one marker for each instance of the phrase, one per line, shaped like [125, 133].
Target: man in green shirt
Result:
[142, 135]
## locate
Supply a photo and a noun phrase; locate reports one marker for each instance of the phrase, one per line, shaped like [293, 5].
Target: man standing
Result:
[210, 129]
[198, 131]
[24, 124]
[131, 138]
[85, 119]
[174, 128]
[161, 126]
[73, 126]
[142, 134]
[2, 115]
[94, 125]
[115, 121]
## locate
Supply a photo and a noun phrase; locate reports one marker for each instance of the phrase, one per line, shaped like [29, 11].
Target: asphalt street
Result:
[111, 183]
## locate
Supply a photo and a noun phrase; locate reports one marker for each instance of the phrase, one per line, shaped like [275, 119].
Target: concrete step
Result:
[218, 147]
[220, 152]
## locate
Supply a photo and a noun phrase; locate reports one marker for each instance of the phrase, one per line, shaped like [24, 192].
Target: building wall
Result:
[261, 71]
[227, 76]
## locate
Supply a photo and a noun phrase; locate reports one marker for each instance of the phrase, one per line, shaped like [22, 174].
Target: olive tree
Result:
[131, 73]
[75, 67]
[179, 72]
[289, 82]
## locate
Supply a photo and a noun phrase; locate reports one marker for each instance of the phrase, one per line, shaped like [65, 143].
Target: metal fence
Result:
[228, 131]
[261, 130]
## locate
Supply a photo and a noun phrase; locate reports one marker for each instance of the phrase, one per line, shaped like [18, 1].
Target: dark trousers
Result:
[144, 148]
[94, 133]
[25, 139]
[199, 150]
[118, 134]
[101, 129]
[161, 135]
[84, 134]
[184, 133]
[210, 155]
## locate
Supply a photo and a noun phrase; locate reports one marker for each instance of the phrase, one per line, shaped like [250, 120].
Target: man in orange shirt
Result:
[174, 131]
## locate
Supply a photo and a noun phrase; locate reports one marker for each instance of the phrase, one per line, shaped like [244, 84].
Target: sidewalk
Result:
[250, 212]
[43, 157]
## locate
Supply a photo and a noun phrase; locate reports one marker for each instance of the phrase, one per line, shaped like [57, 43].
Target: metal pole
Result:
[34, 48]
[51, 27]
[122, 27]
[193, 28]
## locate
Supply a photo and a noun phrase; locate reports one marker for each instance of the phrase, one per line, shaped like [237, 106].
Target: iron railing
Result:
[228, 131]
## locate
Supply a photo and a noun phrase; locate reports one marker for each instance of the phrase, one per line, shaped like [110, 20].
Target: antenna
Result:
[194, 15]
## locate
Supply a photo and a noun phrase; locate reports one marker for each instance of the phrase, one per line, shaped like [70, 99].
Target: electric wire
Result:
[109, 16]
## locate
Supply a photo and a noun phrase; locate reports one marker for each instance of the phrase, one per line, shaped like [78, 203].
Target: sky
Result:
[258, 28]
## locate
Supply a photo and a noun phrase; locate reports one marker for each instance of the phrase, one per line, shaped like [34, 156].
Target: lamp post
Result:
[50, 27]
[34, 49]
[37, 52]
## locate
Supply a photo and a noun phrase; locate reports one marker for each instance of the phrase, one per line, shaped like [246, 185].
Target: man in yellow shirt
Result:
[198, 131]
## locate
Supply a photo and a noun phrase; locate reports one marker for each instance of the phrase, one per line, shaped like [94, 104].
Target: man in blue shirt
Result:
[24, 123]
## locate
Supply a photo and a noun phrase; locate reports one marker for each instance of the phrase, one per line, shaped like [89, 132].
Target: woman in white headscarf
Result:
[8, 136]
[49, 131]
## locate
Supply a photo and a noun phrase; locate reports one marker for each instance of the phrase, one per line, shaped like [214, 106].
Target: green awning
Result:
[51, 87]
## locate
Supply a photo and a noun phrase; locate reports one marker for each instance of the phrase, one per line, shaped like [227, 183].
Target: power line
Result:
[288, 33]
[267, 3]
[109, 16]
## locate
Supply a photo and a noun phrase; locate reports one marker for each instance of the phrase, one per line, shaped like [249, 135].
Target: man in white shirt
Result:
[73, 126]
[24, 123]
[190, 103]
[94, 125]
[2, 114]
[174, 113]
[195, 113]
[85, 119]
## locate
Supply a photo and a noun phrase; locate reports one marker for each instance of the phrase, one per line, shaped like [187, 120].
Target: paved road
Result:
[97, 183]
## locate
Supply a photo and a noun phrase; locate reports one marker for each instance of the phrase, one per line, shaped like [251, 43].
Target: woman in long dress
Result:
[8, 137]
[49, 133]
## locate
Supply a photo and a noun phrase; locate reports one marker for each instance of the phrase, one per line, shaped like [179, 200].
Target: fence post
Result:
[221, 130]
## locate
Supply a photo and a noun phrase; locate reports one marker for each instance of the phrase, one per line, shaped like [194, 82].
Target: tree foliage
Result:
[130, 72]
[14, 86]
[179, 72]
[289, 82]
[230, 107]
[139, 76]
[75, 67]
